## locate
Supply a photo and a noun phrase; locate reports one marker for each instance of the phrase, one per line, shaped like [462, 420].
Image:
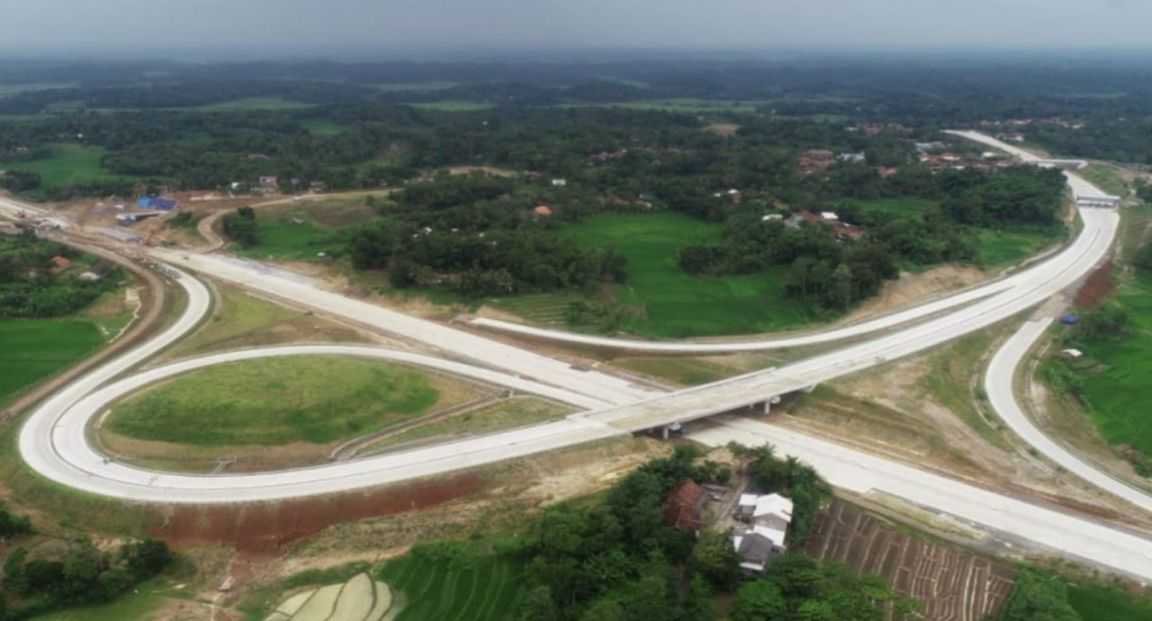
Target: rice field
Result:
[439, 588]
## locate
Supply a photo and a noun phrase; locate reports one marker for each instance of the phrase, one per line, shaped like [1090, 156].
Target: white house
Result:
[769, 516]
[559, 183]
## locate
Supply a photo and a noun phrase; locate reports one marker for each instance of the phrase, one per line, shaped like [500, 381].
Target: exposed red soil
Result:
[1096, 288]
[263, 528]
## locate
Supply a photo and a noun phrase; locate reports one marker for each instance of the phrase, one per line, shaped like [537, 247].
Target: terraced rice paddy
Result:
[951, 584]
[484, 588]
[359, 599]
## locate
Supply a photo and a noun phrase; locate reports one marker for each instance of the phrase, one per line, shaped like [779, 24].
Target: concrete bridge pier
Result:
[769, 403]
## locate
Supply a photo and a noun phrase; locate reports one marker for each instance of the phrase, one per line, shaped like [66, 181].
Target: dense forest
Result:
[41, 279]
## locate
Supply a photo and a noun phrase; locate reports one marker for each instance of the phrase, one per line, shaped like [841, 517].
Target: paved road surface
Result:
[1000, 386]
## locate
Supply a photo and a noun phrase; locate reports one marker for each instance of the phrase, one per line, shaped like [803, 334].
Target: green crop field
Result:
[451, 105]
[70, 164]
[394, 87]
[274, 401]
[1115, 389]
[249, 104]
[324, 127]
[1102, 603]
[676, 304]
[485, 588]
[998, 248]
[138, 605]
[682, 104]
[35, 349]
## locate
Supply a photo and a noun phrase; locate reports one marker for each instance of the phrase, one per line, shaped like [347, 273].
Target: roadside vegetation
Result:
[1115, 340]
[46, 574]
[275, 401]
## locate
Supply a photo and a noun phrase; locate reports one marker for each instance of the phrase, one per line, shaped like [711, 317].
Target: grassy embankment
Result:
[273, 401]
[500, 416]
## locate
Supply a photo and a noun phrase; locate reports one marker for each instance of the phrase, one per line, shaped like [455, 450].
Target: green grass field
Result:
[249, 104]
[35, 349]
[395, 87]
[1116, 389]
[1107, 177]
[497, 417]
[138, 605]
[999, 248]
[70, 164]
[324, 127]
[1102, 603]
[683, 104]
[676, 304]
[275, 401]
[450, 105]
[302, 231]
[484, 588]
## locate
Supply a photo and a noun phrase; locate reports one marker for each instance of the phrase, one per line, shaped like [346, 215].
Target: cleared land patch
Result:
[275, 401]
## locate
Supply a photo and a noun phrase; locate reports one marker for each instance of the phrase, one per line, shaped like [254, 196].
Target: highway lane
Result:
[1000, 386]
[452, 341]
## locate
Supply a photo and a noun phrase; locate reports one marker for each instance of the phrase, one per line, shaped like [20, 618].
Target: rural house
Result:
[769, 517]
[684, 508]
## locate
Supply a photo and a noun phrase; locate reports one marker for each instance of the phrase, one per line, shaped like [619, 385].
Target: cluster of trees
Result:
[835, 272]
[242, 227]
[1038, 597]
[477, 235]
[12, 525]
[55, 577]
[31, 286]
[619, 560]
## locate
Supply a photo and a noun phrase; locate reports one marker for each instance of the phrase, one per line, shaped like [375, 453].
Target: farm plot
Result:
[359, 599]
[443, 588]
[950, 584]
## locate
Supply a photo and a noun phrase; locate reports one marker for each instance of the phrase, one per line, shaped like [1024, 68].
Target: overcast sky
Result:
[277, 27]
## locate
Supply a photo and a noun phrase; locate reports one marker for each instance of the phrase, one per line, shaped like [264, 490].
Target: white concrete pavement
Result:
[999, 383]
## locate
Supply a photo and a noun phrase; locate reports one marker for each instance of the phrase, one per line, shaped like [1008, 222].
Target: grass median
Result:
[275, 401]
